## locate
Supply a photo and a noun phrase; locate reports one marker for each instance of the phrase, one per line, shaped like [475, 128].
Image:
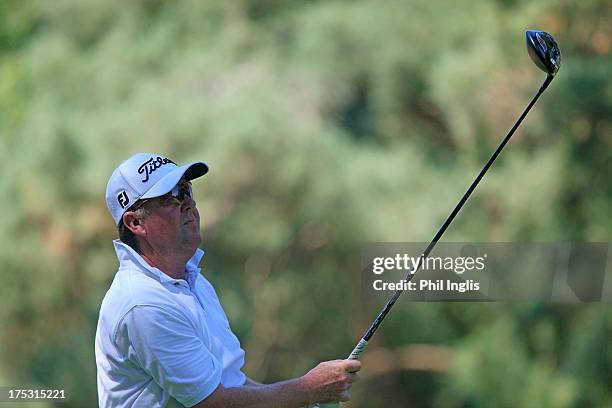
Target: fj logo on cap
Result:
[123, 199]
[151, 165]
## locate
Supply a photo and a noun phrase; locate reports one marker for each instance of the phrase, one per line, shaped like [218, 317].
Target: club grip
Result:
[358, 350]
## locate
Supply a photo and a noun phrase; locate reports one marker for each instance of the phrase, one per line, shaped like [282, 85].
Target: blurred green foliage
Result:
[327, 124]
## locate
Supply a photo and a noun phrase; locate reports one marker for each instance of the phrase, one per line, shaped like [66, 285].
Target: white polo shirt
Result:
[163, 342]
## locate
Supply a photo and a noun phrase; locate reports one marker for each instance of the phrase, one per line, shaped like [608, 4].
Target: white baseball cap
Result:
[146, 175]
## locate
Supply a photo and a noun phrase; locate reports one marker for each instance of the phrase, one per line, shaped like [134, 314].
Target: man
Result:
[163, 339]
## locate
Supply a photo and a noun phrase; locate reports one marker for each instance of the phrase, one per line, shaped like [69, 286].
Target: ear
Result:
[134, 223]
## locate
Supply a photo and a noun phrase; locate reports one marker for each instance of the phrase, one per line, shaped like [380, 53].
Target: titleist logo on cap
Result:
[151, 165]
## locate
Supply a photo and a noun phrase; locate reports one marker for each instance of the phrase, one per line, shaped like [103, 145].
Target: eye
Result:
[168, 200]
[184, 191]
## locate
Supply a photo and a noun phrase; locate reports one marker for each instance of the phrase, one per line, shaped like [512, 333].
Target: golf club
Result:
[545, 53]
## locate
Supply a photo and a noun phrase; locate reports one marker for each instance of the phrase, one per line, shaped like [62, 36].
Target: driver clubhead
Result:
[544, 51]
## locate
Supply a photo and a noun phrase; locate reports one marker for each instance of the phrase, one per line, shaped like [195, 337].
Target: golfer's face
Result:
[174, 222]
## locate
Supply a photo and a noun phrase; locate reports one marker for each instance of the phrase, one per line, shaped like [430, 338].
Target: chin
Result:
[190, 240]
[196, 239]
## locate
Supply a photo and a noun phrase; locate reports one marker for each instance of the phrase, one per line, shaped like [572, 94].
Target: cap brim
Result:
[191, 171]
[195, 170]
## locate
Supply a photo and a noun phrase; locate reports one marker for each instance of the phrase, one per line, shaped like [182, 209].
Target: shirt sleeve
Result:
[167, 347]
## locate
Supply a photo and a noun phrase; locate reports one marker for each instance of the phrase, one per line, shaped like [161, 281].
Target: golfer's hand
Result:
[330, 381]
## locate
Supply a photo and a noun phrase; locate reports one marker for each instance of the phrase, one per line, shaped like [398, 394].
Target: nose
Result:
[188, 203]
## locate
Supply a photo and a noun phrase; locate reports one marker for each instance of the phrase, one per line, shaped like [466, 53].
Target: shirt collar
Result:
[127, 256]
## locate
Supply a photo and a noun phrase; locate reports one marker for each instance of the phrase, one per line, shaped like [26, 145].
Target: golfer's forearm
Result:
[286, 394]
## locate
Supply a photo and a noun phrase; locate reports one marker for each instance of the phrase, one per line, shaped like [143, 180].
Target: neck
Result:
[172, 265]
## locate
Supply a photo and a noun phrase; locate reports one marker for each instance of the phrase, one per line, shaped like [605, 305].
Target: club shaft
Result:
[385, 310]
[361, 345]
